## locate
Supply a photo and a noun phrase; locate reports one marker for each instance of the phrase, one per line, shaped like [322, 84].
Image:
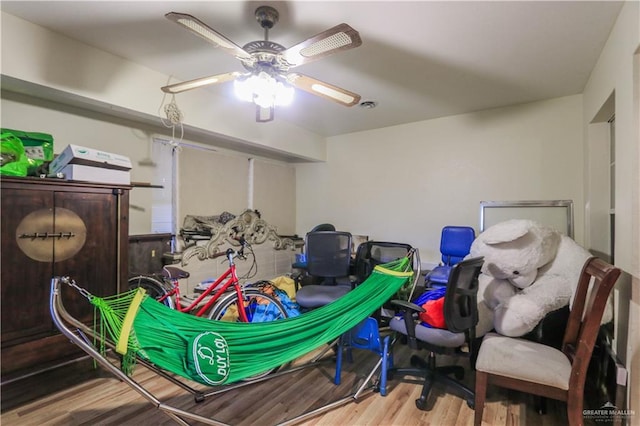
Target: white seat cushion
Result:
[524, 360]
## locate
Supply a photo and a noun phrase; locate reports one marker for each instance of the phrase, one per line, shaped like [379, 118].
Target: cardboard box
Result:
[96, 174]
[74, 154]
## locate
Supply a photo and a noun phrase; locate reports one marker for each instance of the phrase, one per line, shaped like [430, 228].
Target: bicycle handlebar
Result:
[229, 253]
[242, 241]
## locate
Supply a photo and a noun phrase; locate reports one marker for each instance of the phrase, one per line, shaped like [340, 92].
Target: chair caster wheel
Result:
[421, 404]
[471, 404]
[199, 397]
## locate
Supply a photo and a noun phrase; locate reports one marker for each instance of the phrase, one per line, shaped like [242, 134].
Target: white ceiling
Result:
[419, 59]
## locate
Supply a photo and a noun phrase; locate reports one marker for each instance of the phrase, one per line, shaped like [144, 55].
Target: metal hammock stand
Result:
[82, 335]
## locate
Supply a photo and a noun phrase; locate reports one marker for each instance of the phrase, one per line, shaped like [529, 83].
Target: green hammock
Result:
[219, 352]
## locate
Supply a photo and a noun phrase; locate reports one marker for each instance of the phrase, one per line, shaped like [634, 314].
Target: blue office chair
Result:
[455, 243]
[366, 335]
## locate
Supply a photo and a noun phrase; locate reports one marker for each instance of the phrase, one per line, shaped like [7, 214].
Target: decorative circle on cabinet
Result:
[51, 235]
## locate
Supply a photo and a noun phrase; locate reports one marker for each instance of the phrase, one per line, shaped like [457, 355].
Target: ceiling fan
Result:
[268, 78]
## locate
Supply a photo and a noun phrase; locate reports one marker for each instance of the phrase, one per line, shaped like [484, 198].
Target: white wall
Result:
[404, 183]
[614, 74]
[618, 73]
[274, 194]
[214, 181]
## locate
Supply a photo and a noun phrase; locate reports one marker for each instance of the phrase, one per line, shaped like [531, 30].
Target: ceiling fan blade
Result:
[333, 40]
[201, 29]
[322, 89]
[200, 82]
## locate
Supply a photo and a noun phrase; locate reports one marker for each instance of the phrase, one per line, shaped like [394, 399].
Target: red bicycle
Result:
[221, 300]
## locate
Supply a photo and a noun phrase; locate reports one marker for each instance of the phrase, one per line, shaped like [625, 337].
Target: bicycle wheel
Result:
[259, 307]
[153, 287]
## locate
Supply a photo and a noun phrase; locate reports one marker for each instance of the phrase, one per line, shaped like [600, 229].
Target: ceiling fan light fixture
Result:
[269, 82]
[263, 90]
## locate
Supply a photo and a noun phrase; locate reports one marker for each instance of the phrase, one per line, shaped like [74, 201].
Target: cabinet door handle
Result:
[45, 235]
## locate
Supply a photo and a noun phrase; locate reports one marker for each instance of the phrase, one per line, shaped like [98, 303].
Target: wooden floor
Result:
[107, 401]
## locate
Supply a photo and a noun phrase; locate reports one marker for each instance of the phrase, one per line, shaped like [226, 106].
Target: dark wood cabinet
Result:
[146, 253]
[54, 228]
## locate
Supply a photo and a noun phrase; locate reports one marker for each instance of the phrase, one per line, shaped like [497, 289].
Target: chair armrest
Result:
[407, 305]
[410, 310]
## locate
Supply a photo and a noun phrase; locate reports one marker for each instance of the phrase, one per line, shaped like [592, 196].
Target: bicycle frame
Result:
[230, 273]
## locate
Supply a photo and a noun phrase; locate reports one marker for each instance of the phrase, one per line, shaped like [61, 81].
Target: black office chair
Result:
[328, 259]
[372, 253]
[301, 265]
[461, 317]
[323, 227]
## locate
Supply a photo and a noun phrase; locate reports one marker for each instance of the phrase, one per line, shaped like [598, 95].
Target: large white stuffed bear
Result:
[529, 270]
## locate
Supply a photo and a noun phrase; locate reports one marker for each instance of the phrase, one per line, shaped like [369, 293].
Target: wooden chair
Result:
[542, 370]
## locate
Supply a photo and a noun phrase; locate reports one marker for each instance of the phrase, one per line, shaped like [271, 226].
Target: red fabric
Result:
[434, 313]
